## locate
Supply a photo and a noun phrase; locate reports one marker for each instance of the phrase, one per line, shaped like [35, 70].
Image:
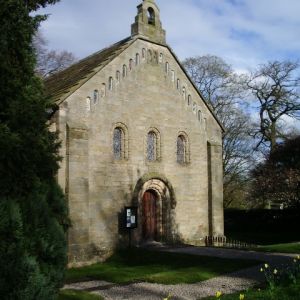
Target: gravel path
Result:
[228, 283]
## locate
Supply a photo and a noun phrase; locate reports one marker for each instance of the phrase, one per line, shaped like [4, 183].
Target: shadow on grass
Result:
[138, 265]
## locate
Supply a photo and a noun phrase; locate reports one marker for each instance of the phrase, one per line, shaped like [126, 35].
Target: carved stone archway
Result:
[165, 206]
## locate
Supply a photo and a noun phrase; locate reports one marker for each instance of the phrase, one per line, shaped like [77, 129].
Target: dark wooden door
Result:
[149, 215]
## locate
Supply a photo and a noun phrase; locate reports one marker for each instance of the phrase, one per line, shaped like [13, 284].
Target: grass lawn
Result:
[291, 292]
[158, 267]
[283, 248]
[77, 295]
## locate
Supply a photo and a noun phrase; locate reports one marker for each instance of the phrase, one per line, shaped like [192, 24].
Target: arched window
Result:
[143, 53]
[182, 149]
[118, 77]
[194, 107]
[96, 96]
[184, 93]
[161, 57]
[189, 100]
[130, 64]
[151, 16]
[173, 76]
[167, 67]
[152, 146]
[137, 59]
[88, 104]
[124, 73]
[103, 90]
[110, 83]
[178, 84]
[149, 56]
[199, 115]
[118, 143]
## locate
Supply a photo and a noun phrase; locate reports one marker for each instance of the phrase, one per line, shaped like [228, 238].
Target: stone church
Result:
[135, 132]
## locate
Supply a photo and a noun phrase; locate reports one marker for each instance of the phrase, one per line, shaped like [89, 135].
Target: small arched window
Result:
[103, 90]
[124, 71]
[182, 149]
[143, 53]
[161, 57]
[96, 96]
[184, 93]
[178, 84]
[88, 104]
[137, 59]
[189, 100]
[152, 146]
[110, 83]
[149, 56]
[167, 67]
[173, 76]
[194, 107]
[130, 64]
[118, 77]
[151, 16]
[199, 115]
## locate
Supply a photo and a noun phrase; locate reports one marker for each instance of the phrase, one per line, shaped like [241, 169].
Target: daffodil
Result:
[298, 256]
[266, 266]
[261, 269]
[275, 271]
[242, 296]
[218, 294]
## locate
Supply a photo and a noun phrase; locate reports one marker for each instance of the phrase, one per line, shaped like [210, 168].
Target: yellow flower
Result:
[168, 298]
[295, 260]
[242, 296]
[259, 290]
[298, 256]
[218, 294]
[266, 266]
[261, 269]
[275, 272]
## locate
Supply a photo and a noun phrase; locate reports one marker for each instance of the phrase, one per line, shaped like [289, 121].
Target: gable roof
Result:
[62, 84]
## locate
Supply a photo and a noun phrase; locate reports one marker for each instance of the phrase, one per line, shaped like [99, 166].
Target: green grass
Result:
[157, 267]
[77, 295]
[281, 248]
[291, 292]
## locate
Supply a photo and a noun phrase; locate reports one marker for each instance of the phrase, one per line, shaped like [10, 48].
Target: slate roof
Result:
[60, 85]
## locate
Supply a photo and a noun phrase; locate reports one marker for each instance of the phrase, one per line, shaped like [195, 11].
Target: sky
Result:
[244, 33]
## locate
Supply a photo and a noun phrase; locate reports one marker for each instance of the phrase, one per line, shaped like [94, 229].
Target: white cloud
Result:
[244, 33]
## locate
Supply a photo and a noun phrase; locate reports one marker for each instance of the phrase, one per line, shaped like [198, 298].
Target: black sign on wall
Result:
[131, 217]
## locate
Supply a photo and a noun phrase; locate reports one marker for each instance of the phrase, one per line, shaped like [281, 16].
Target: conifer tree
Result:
[33, 212]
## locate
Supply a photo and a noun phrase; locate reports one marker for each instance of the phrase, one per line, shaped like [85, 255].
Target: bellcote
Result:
[147, 23]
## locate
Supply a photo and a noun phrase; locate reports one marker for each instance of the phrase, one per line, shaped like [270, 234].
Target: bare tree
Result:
[275, 86]
[50, 61]
[223, 89]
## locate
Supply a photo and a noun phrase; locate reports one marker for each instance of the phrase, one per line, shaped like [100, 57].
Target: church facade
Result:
[135, 132]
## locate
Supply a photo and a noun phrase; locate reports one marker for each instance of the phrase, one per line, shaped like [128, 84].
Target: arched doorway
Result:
[150, 215]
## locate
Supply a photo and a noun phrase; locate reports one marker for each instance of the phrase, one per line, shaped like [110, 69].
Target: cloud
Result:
[243, 32]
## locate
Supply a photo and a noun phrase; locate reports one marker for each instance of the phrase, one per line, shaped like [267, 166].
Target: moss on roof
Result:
[60, 85]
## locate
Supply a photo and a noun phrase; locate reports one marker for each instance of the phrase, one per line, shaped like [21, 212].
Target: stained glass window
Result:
[118, 76]
[96, 96]
[118, 143]
[181, 149]
[151, 146]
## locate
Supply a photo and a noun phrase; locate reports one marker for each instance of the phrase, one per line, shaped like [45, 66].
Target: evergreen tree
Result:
[33, 213]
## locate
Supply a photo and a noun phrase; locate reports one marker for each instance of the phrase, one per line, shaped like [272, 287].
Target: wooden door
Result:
[149, 215]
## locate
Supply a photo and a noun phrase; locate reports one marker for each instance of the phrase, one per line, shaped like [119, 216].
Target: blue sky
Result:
[243, 32]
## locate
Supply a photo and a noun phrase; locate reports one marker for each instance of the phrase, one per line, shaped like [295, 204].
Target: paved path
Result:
[228, 283]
